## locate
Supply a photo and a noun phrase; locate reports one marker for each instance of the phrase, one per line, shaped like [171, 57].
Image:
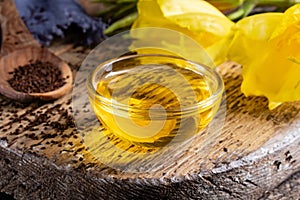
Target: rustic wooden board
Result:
[43, 156]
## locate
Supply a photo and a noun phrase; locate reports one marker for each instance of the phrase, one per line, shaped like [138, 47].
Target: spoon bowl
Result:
[24, 56]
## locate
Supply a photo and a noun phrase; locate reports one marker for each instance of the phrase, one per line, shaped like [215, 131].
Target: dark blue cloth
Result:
[49, 18]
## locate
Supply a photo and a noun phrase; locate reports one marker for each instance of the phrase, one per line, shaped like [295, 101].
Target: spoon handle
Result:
[15, 34]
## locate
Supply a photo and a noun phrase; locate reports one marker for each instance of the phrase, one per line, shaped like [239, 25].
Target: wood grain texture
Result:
[289, 189]
[42, 155]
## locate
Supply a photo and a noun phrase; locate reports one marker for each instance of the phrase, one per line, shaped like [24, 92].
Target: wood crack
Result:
[221, 188]
[251, 182]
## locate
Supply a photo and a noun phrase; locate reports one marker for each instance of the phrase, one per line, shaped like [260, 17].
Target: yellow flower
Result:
[195, 18]
[267, 45]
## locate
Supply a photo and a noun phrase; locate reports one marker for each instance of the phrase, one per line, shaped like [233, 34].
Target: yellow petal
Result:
[270, 64]
[287, 33]
[219, 50]
[260, 26]
[149, 14]
[291, 18]
[273, 76]
[196, 15]
[195, 18]
[153, 40]
[199, 22]
[252, 34]
[273, 105]
[179, 7]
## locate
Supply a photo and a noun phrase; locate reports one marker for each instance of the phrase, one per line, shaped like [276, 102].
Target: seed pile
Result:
[36, 77]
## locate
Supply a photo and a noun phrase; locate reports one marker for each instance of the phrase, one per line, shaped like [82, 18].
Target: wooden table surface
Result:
[43, 156]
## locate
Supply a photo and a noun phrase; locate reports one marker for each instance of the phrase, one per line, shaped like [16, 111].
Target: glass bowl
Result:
[152, 100]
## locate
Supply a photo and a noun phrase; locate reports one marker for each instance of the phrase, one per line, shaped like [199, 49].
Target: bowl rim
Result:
[201, 104]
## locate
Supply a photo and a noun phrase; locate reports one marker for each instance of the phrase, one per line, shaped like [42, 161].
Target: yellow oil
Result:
[158, 101]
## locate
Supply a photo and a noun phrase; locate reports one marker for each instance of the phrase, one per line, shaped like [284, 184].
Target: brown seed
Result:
[36, 77]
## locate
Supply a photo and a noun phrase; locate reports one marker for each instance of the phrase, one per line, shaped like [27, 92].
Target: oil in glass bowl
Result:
[152, 100]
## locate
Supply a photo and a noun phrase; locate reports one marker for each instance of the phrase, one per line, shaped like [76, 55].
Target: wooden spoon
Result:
[20, 48]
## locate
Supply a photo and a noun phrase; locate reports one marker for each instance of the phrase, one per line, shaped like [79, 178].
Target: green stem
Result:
[244, 10]
[248, 6]
[122, 23]
[124, 9]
